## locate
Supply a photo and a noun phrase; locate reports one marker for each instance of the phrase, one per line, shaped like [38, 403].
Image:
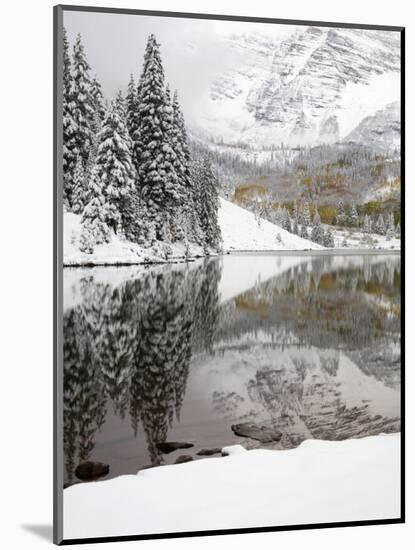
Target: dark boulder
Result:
[209, 452]
[91, 470]
[255, 431]
[170, 446]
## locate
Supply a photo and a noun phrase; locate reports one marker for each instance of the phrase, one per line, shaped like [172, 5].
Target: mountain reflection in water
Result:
[309, 346]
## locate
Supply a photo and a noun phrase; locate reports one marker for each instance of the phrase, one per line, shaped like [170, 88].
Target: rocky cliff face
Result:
[382, 130]
[302, 393]
[307, 88]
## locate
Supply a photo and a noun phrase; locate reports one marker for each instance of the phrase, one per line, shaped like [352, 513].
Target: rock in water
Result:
[209, 452]
[168, 447]
[183, 458]
[91, 470]
[254, 431]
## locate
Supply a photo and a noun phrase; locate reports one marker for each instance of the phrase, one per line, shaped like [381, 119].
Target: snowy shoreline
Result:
[242, 233]
[318, 482]
[325, 252]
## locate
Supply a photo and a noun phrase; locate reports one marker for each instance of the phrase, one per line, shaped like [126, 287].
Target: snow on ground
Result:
[241, 232]
[117, 252]
[239, 228]
[358, 240]
[320, 481]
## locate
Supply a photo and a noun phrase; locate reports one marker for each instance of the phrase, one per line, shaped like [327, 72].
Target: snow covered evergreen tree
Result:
[83, 102]
[304, 232]
[317, 232]
[93, 151]
[353, 217]
[97, 99]
[307, 214]
[114, 168]
[328, 239]
[301, 220]
[295, 214]
[134, 112]
[131, 107]
[154, 156]
[207, 203]
[390, 223]
[367, 225]
[95, 230]
[187, 205]
[66, 73]
[178, 229]
[341, 216]
[295, 229]
[390, 226]
[390, 234]
[78, 188]
[69, 125]
[380, 227]
[121, 106]
[398, 231]
[286, 220]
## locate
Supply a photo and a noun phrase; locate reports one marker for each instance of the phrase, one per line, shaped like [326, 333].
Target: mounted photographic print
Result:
[228, 228]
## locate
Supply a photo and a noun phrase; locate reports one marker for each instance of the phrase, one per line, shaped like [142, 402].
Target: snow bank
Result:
[239, 227]
[241, 232]
[117, 252]
[358, 240]
[318, 482]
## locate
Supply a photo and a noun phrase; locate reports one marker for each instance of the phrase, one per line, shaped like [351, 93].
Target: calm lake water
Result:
[305, 346]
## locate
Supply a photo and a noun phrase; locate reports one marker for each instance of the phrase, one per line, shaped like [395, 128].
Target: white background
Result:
[26, 270]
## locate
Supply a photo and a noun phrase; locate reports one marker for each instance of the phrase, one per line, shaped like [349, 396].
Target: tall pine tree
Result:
[97, 99]
[114, 168]
[207, 203]
[95, 230]
[317, 232]
[121, 105]
[78, 191]
[154, 156]
[131, 107]
[182, 165]
[341, 216]
[83, 102]
[69, 125]
[353, 216]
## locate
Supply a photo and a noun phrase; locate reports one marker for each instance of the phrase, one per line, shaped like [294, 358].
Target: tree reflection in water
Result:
[129, 346]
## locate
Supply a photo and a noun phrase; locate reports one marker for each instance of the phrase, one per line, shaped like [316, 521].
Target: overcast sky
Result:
[190, 48]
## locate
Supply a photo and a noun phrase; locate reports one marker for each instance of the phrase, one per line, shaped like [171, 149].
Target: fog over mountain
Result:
[260, 84]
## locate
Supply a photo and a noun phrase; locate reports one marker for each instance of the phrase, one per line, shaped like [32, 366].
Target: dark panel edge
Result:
[403, 253]
[57, 277]
[220, 17]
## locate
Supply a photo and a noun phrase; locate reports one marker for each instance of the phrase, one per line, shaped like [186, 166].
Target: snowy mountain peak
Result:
[302, 88]
[380, 130]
